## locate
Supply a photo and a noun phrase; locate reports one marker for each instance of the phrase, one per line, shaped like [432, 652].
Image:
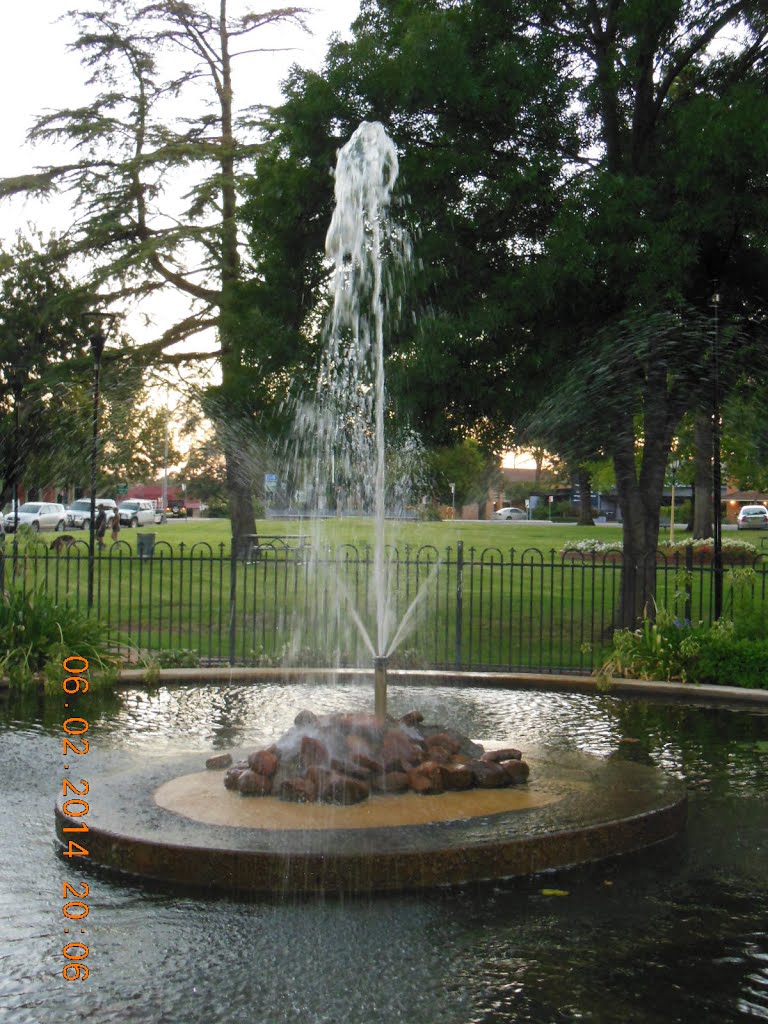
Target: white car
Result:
[136, 512]
[752, 517]
[510, 513]
[79, 512]
[39, 515]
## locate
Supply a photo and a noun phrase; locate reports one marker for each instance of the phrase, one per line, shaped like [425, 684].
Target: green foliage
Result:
[218, 508]
[724, 658]
[730, 652]
[471, 470]
[43, 344]
[36, 635]
[180, 658]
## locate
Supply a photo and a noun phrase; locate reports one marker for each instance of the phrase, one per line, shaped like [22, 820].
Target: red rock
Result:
[444, 741]
[298, 790]
[341, 789]
[506, 754]
[370, 764]
[368, 727]
[518, 771]
[232, 777]
[391, 782]
[457, 777]
[397, 751]
[439, 755]
[355, 771]
[412, 718]
[264, 762]
[318, 774]
[313, 752]
[305, 718]
[219, 761]
[426, 778]
[488, 774]
[251, 783]
[358, 745]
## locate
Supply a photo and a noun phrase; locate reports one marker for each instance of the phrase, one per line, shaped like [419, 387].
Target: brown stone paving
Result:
[199, 796]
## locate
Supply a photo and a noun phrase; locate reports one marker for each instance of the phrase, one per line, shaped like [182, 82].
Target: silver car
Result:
[752, 517]
[79, 512]
[38, 515]
[510, 513]
[136, 512]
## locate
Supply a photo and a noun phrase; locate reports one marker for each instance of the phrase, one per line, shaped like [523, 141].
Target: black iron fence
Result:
[287, 602]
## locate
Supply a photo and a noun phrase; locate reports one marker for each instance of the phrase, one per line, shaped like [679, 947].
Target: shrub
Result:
[720, 656]
[730, 652]
[36, 635]
[180, 658]
[658, 650]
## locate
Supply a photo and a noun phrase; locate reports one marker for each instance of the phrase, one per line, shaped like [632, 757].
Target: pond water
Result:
[679, 934]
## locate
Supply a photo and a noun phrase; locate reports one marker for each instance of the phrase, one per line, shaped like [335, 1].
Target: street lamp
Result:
[674, 466]
[163, 514]
[717, 538]
[96, 341]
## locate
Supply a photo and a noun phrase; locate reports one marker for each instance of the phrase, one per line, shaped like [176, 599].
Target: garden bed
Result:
[734, 552]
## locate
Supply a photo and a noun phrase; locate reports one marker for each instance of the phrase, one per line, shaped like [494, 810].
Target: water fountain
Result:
[172, 821]
[344, 427]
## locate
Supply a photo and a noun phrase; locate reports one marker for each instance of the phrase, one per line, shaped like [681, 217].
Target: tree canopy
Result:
[159, 156]
[579, 178]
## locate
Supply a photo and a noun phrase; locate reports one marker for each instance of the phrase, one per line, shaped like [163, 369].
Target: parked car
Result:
[510, 513]
[79, 512]
[752, 517]
[39, 515]
[136, 512]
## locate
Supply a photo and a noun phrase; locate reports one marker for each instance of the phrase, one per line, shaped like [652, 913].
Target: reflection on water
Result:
[661, 938]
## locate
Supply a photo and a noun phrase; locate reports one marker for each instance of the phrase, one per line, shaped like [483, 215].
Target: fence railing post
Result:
[459, 601]
[688, 581]
[232, 601]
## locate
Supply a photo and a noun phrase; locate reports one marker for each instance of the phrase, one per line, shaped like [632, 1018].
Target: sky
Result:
[37, 73]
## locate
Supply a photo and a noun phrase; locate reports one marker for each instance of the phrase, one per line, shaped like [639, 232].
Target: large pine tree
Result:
[154, 181]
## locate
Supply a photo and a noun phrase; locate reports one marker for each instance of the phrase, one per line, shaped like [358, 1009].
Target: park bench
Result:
[253, 544]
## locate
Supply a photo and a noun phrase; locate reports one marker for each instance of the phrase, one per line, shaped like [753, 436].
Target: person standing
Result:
[100, 526]
[115, 527]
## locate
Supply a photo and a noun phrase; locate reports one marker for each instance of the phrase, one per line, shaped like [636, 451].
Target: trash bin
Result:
[145, 544]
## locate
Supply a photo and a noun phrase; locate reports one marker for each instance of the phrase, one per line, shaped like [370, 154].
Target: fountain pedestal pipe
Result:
[380, 686]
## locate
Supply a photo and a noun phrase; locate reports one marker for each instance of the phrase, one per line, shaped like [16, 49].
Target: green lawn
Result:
[511, 602]
[503, 535]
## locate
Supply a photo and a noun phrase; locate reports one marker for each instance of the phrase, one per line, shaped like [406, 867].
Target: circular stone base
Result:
[170, 821]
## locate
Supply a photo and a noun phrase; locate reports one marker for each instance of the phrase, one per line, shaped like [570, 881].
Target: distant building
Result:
[175, 496]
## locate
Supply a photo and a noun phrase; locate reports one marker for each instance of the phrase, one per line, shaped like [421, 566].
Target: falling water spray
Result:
[367, 250]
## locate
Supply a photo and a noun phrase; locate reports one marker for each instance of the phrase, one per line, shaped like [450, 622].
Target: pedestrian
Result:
[115, 527]
[100, 526]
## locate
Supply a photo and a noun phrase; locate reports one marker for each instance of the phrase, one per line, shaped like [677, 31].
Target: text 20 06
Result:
[75, 807]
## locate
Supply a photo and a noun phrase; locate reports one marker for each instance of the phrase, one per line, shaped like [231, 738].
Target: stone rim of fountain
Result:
[129, 832]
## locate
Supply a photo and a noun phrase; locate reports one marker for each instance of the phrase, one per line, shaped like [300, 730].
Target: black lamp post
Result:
[674, 465]
[15, 465]
[97, 341]
[717, 554]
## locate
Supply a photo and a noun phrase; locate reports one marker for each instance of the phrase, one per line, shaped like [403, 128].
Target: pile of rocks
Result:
[343, 758]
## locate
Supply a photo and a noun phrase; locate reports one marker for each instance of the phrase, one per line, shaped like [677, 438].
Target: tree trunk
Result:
[585, 496]
[239, 484]
[702, 470]
[640, 499]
